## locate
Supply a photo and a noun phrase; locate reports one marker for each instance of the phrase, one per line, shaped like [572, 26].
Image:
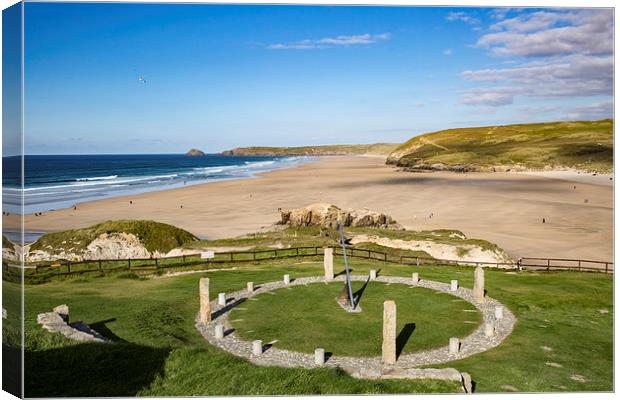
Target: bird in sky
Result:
[141, 79]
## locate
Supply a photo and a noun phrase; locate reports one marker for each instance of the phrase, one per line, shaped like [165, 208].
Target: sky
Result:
[223, 76]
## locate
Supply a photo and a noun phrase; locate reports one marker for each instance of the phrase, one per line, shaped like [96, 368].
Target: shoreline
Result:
[503, 208]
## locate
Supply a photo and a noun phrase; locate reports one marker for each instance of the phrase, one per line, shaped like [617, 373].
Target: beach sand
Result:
[504, 208]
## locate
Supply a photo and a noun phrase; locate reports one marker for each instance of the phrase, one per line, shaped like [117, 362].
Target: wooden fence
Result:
[64, 268]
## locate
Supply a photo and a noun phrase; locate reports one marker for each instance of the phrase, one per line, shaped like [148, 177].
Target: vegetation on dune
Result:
[318, 236]
[324, 150]
[585, 145]
[155, 236]
[7, 244]
[563, 339]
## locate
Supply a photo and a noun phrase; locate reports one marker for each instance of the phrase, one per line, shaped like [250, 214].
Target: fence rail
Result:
[64, 268]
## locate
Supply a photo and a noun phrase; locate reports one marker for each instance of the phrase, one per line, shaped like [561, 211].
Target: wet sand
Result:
[504, 208]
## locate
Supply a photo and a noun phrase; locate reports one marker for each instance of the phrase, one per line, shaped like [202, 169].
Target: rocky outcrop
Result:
[116, 245]
[58, 321]
[195, 153]
[329, 215]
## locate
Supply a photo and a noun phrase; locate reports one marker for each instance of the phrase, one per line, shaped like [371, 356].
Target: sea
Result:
[60, 181]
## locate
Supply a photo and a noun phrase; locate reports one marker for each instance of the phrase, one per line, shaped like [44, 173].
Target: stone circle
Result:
[474, 343]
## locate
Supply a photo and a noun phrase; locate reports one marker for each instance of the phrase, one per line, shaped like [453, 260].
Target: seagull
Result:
[141, 79]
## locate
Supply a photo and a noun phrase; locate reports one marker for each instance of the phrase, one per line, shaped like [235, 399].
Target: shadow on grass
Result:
[343, 272]
[101, 328]
[12, 370]
[403, 338]
[357, 296]
[92, 369]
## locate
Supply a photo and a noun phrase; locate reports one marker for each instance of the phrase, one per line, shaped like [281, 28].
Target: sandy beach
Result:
[504, 208]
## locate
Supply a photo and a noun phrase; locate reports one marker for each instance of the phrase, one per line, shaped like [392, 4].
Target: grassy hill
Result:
[585, 145]
[323, 150]
[155, 236]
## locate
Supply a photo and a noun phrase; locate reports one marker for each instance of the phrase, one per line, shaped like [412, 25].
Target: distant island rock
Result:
[195, 153]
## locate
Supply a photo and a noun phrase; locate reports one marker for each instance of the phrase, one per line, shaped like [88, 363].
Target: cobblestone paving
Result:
[475, 343]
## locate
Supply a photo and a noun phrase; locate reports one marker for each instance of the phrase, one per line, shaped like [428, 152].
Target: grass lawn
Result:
[302, 318]
[159, 352]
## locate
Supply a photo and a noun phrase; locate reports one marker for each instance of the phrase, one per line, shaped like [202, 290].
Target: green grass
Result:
[303, 318]
[586, 145]
[155, 236]
[159, 352]
[330, 149]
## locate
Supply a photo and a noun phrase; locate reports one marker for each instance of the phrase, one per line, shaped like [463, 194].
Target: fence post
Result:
[606, 266]
[129, 263]
[254, 255]
[384, 256]
[69, 266]
[100, 265]
[183, 258]
[156, 265]
[417, 261]
[548, 264]
[231, 256]
[297, 251]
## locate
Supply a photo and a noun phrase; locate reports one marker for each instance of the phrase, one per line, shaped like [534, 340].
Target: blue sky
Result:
[221, 76]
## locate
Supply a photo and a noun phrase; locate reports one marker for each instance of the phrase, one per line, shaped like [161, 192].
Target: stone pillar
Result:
[205, 305]
[257, 347]
[250, 287]
[499, 312]
[219, 331]
[328, 263]
[373, 274]
[388, 350]
[287, 279]
[454, 346]
[319, 356]
[479, 285]
[489, 330]
[221, 299]
[454, 285]
[415, 277]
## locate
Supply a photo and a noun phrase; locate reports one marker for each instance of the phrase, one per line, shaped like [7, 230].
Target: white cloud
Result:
[550, 33]
[447, 52]
[570, 55]
[598, 110]
[462, 16]
[342, 40]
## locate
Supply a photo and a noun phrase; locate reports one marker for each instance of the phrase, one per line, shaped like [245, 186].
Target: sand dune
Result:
[504, 208]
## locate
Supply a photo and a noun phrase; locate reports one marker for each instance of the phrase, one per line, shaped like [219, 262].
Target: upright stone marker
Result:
[499, 312]
[205, 306]
[454, 346]
[328, 263]
[489, 330]
[454, 285]
[250, 287]
[415, 277]
[479, 285]
[319, 356]
[373, 274]
[219, 331]
[221, 299]
[257, 347]
[388, 350]
[287, 279]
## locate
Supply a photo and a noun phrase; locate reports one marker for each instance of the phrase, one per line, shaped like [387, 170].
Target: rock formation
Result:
[328, 216]
[195, 153]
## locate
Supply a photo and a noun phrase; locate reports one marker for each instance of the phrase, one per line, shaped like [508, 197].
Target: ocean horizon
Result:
[61, 181]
